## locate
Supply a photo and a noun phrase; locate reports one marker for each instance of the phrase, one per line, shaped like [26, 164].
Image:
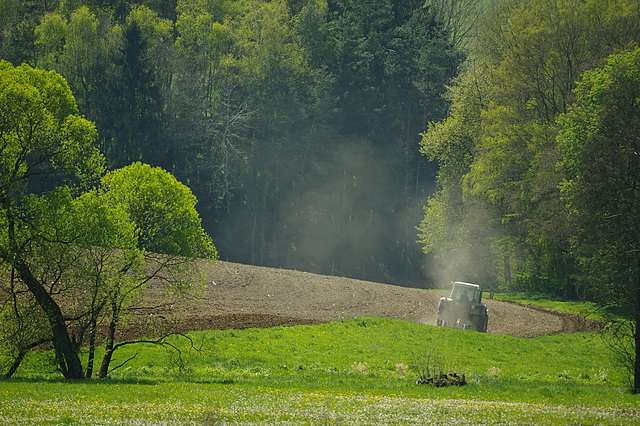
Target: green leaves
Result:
[600, 141]
[162, 209]
[498, 151]
[77, 252]
[40, 129]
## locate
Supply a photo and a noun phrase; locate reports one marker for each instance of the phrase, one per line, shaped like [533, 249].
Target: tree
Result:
[250, 101]
[209, 104]
[450, 229]
[600, 140]
[389, 59]
[534, 50]
[135, 105]
[18, 18]
[379, 68]
[23, 325]
[89, 49]
[81, 254]
[168, 237]
[542, 48]
[103, 262]
[43, 143]
[459, 18]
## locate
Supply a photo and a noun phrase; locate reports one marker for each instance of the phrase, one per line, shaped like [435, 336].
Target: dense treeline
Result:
[499, 214]
[539, 177]
[296, 123]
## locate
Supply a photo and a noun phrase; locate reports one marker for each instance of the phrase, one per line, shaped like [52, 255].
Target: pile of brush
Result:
[442, 380]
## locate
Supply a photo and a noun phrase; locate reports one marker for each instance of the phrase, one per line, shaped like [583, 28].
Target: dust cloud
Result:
[351, 219]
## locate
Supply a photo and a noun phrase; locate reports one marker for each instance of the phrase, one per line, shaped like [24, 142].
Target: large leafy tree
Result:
[601, 142]
[43, 144]
[168, 241]
[79, 253]
[88, 253]
[540, 50]
[450, 227]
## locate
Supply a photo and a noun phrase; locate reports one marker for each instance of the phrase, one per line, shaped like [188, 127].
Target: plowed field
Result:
[241, 296]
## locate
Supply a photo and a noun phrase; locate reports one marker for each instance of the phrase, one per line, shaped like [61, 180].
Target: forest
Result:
[406, 142]
[295, 123]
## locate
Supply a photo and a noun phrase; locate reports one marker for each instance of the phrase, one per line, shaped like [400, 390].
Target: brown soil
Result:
[242, 296]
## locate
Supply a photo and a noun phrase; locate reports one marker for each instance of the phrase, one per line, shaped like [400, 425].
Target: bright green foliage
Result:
[601, 141]
[270, 62]
[256, 104]
[154, 29]
[80, 258]
[162, 238]
[542, 46]
[86, 58]
[452, 141]
[162, 210]
[43, 144]
[50, 40]
[23, 325]
[194, 24]
[108, 68]
[41, 131]
[91, 260]
[499, 191]
[446, 229]
[18, 19]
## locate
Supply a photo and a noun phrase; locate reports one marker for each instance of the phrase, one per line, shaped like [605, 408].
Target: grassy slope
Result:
[352, 371]
[585, 309]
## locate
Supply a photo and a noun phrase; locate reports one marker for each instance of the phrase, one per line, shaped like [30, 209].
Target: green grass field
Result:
[585, 309]
[359, 371]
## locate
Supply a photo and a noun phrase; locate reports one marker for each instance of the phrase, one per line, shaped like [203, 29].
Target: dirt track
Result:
[242, 296]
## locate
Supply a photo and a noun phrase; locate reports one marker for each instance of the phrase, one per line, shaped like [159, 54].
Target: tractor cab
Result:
[466, 293]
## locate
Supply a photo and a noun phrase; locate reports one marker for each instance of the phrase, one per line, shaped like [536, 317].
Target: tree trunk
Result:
[636, 336]
[66, 354]
[16, 363]
[109, 344]
[106, 361]
[21, 354]
[636, 366]
[92, 348]
[507, 269]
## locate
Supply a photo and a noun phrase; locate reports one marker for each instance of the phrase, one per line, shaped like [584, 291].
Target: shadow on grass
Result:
[62, 380]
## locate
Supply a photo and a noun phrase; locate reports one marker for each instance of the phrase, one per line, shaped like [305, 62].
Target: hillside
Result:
[243, 296]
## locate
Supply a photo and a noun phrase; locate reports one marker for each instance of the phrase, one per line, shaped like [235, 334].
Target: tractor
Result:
[463, 309]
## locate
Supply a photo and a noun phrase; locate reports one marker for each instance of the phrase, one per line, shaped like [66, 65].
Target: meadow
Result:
[356, 371]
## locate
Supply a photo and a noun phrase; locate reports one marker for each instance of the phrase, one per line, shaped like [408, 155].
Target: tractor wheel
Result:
[479, 323]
